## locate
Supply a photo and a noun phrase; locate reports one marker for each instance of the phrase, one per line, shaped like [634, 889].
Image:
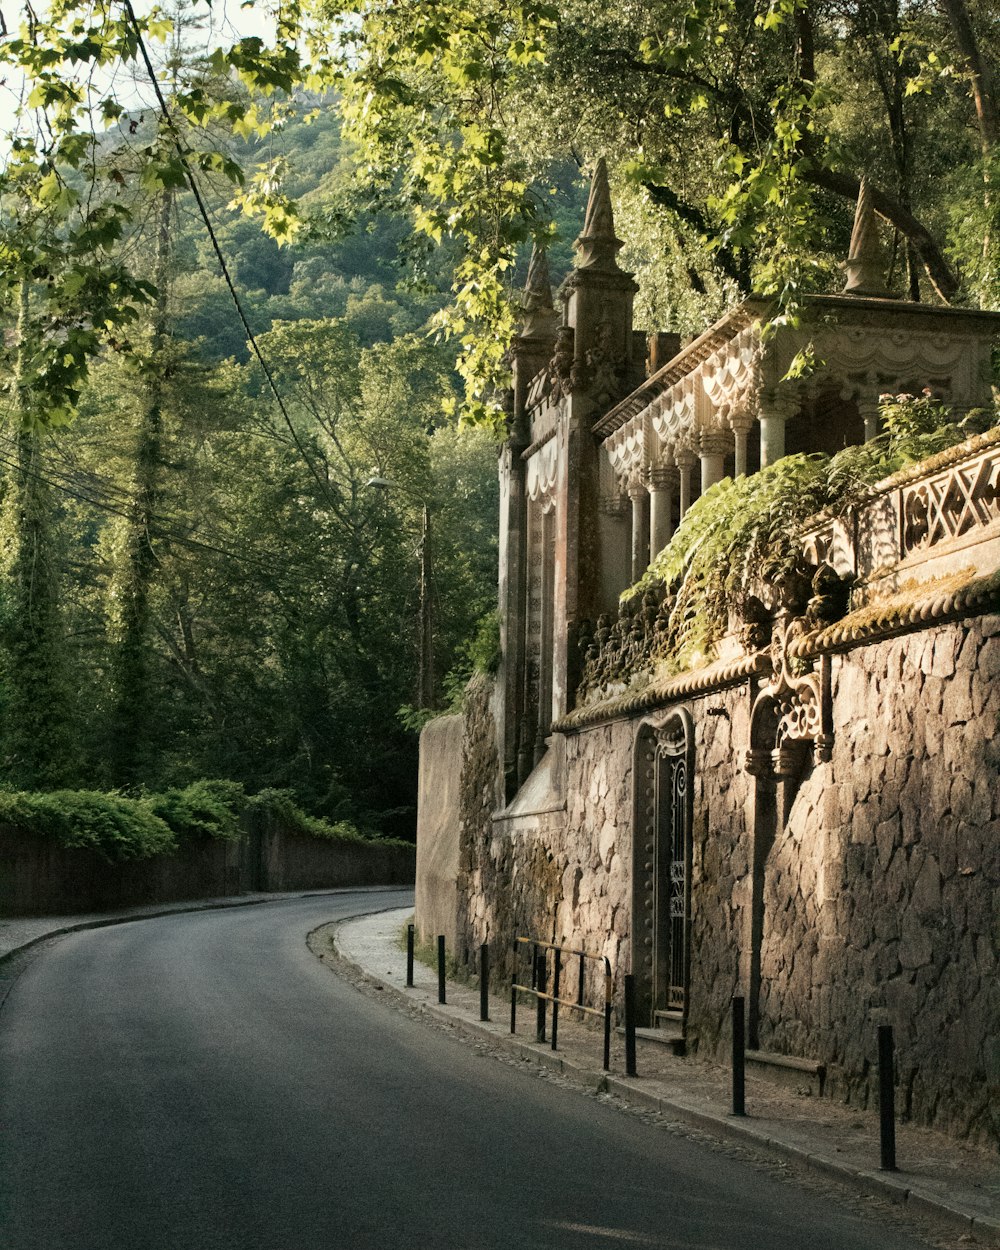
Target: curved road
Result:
[202, 1080]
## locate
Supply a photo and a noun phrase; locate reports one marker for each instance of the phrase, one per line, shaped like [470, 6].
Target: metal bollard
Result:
[540, 987]
[886, 1098]
[739, 1057]
[630, 1026]
[608, 990]
[409, 955]
[484, 981]
[441, 992]
[555, 996]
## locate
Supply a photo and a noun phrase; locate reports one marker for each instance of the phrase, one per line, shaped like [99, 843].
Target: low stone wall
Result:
[39, 878]
[874, 896]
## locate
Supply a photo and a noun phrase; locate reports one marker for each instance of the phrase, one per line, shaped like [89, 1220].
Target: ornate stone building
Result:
[809, 814]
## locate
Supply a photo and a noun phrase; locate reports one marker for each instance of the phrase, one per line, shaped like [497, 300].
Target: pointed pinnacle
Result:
[538, 288]
[865, 275]
[597, 243]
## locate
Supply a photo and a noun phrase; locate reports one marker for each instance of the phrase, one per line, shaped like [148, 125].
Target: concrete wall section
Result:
[438, 819]
[39, 878]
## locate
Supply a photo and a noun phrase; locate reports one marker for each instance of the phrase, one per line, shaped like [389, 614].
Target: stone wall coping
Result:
[539, 443]
[877, 621]
[869, 624]
[669, 690]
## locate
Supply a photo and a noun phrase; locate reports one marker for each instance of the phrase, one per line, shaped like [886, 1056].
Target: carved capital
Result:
[663, 477]
[714, 442]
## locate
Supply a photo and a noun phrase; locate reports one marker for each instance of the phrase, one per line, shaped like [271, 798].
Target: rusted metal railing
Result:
[539, 988]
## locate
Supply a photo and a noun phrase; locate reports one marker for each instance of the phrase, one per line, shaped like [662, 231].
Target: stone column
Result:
[712, 448]
[685, 463]
[774, 412]
[742, 424]
[640, 534]
[662, 480]
[868, 408]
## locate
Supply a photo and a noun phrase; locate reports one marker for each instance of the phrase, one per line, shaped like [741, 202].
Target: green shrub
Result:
[282, 806]
[205, 808]
[115, 827]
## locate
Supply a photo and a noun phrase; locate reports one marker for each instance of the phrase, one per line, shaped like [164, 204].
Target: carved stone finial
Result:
[865, 272]
[597, 244]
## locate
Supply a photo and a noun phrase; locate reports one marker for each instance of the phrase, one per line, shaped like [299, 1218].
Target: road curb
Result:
[892, 1187]
[105, 922]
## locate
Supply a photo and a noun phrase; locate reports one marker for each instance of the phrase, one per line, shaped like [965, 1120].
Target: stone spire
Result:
[865, 272]
[539, 313]
[597, 243]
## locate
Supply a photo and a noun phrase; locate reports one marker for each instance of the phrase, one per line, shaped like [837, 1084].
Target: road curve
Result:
[201, 1080]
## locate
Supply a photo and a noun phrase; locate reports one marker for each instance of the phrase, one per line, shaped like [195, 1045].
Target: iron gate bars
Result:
[538, 988]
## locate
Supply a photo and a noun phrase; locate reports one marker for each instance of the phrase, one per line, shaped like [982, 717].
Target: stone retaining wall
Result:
[880, 894]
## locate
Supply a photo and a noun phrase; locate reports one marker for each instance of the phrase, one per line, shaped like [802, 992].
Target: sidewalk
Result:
[938, 1177]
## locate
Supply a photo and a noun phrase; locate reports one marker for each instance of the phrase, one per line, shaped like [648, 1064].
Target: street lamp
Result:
[425, 676]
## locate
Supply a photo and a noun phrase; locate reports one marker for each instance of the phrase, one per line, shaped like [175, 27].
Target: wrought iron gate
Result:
[672, 870]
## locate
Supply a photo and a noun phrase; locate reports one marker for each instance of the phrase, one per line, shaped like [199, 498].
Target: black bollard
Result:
[630, 1069]
[441, 994]
[409, 954]
[739, 1057]
[886, 1098]
[540, 997]
[555, 996]
[484, 981]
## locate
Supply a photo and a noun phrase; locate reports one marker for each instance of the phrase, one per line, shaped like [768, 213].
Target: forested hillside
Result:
[198, 579]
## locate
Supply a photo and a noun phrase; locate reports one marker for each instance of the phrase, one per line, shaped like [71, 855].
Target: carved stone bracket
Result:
[791, 711]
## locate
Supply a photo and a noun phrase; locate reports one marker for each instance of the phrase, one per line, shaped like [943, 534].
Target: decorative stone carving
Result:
[951, 503]
[603, 377]
[543, 471]
[558, 375]
[793, 709]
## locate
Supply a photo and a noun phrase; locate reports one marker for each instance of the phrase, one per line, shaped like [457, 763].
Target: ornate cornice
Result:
[902, 615]
[669, 690]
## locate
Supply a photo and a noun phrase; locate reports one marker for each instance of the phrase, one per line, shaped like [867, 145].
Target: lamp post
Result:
[425, 672]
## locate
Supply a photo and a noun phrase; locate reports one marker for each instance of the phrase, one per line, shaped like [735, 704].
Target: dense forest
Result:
[245, 275]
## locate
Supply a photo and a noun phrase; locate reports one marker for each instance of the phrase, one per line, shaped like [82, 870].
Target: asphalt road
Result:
[201, 1080]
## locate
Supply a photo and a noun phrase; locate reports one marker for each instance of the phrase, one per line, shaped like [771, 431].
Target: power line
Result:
[160, 530]
[182, 153]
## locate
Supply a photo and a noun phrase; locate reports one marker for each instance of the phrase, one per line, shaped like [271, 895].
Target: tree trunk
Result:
[132, 702]
[36, 731]
[984, 92]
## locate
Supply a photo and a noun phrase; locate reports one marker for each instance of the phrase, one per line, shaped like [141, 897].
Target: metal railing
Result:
[539, 983]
